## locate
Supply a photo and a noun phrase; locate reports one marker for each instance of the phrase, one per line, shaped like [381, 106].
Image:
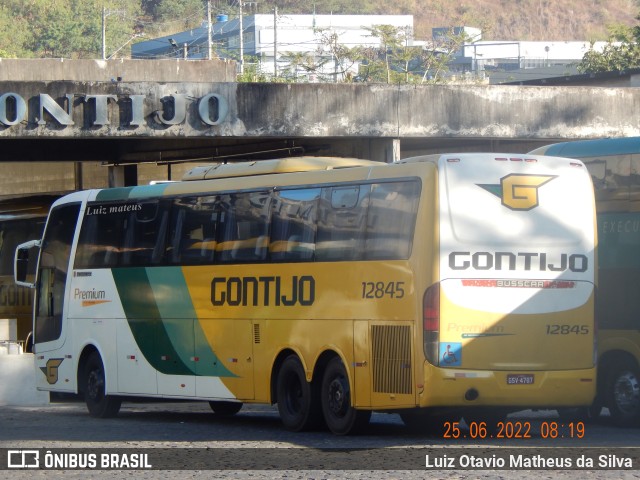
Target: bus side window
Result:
[391, 220]
[193, 231]
[293, 225]
[145, 235]
[245, 235]
[100, 241]
[341, 223]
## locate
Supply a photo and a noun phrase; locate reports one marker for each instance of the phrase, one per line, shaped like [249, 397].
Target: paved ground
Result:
[255, 440]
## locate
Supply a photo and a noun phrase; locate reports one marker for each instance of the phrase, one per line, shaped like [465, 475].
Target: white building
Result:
[276, 45]
[269, 37]
[514, 55]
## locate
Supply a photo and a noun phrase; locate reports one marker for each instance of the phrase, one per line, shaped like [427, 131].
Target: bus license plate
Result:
[520, 379]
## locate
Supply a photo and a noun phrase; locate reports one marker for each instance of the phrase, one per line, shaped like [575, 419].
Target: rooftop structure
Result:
[269, 37]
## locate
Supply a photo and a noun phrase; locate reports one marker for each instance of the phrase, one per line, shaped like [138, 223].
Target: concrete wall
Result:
[170, 70]
[18, 382]
[323, 110]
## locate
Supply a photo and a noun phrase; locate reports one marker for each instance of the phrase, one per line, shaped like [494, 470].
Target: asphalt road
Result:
[253, 445]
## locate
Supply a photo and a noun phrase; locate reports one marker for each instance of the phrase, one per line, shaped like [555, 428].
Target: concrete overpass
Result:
[145, 119]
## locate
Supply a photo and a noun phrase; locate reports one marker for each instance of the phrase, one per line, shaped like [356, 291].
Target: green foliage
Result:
[180, 14]
[64, 28]
[621, 52]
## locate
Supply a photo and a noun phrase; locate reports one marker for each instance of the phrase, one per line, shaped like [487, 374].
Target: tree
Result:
[16, 31]
[64, 28]
[180, 14]
[436, 58]
[621, 52]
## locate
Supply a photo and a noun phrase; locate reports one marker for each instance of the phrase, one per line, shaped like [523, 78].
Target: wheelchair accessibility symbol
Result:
[451, 354]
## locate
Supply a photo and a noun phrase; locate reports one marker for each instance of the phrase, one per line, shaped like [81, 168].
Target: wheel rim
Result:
[626, 393]
[339, 401]
[95, 385]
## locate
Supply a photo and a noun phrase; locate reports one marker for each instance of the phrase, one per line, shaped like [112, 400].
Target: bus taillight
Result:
[431, 322]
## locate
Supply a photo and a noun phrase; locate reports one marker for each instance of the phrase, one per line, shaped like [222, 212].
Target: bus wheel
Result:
[225, 409]
[623, 394]
[98, 403]
[297, 399]
[339, 415]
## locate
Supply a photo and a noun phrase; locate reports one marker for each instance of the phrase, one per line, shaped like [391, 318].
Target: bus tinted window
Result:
[341, 220]
[391, 220]
[193, 234]
[244, 228]
[293, 225]
[342, 223]
[145, 234]
[128, 234]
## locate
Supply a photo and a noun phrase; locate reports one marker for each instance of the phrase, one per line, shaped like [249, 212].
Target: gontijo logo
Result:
[518, 191]
[51, 370]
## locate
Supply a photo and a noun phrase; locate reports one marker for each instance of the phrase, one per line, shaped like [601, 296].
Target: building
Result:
[508, 61]
[278, 44]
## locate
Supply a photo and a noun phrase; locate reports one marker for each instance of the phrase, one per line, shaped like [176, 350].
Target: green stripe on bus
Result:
[148, 191]
[111, 194]
[146, 324]
[180, 321]
[163, 321]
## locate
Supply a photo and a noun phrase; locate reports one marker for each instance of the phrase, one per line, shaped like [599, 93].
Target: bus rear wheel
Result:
[298, 402]
[225, 409]
[99, 404]
[339, 414]
[623, 393]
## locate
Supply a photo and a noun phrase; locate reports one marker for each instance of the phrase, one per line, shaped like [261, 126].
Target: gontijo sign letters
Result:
[132, 110]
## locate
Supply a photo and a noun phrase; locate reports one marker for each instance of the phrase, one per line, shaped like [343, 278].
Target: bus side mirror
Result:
[21, 263]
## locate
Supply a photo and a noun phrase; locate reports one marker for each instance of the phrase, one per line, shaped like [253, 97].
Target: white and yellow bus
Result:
[449, 284]
[614, 164]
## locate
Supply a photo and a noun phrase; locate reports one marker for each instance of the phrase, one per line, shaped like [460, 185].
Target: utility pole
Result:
[105, 13]
[275, 42]
[104, 31]
[241, 40]
[209, 40]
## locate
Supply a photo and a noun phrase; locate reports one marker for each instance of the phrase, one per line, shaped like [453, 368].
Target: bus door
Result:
[49, 315]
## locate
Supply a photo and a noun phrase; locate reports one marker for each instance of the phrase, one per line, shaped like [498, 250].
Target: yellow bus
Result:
[21, 219]
[438, 287]
[614, 164]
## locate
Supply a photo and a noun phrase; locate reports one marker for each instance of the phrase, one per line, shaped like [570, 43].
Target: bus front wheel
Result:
[339, 414]
[297, 399]
[99, 404]
[623, 393]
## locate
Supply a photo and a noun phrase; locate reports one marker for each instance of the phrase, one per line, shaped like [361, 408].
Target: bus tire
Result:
[339, 414]
[98, 403]
[623, 393]
[298, 402]
[225, 409]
